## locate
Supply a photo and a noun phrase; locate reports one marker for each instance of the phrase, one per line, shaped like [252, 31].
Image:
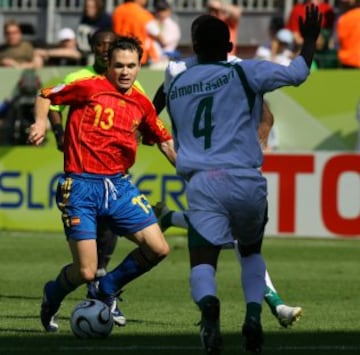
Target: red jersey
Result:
[299, 10]
[100, 133]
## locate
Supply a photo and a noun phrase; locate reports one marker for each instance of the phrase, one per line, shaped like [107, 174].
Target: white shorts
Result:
[228, 204]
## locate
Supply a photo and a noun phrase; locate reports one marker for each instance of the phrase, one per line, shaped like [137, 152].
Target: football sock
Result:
[253, 311]
[57, 290]
[253, 278]
[134, 265]
[269, 282]
[273, 300]
[206, 300]
[202, 282]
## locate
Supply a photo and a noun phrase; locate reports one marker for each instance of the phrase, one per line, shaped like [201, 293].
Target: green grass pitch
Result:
[320, 275]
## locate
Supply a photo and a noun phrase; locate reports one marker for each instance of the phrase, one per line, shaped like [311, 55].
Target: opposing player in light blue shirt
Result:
[215, 108]
[285, 314]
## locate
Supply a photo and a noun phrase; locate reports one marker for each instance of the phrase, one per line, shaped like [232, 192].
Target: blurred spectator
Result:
[170, 32]
[298, 10]
[16, 52]
[281, 49]
[325, 57]
[348, 34]
[131, 18]
[228, 13]
[94, 17]
[271, 48]
[18, 115]
[64, 53]
[276, 24]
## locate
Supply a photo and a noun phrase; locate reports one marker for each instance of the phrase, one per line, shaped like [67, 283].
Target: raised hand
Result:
[310, 25]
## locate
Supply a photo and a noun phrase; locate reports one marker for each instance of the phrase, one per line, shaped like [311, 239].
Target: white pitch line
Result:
[144, 348]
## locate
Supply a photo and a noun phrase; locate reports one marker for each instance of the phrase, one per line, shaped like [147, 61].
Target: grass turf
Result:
[320, 275]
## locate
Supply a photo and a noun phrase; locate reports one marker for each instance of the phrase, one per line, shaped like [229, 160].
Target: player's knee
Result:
[249, 249]
[147, 259]
[159, 254]
[87, 274]
[163, 251]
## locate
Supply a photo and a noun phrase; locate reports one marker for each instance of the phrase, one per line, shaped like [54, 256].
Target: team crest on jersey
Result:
[160, 124]
[75, 221]
[121, 103]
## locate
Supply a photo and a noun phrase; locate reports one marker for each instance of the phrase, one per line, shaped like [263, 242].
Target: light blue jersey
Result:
[175, 67]
[215, 110]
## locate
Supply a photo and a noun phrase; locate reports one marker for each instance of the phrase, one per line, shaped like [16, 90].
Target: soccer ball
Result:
[91, 319]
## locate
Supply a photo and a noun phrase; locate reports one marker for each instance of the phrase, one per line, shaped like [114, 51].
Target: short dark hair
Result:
[161, 5]
[211, 36]
[93, 37]
[276, 24]
[126, 43]
[196, 23]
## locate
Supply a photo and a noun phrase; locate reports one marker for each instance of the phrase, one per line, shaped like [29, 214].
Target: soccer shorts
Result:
[227, 205]
[83, 198]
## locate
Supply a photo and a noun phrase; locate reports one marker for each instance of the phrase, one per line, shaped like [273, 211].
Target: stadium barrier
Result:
[313, 191]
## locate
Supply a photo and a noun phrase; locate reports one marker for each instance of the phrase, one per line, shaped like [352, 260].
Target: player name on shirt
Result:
[201, 86]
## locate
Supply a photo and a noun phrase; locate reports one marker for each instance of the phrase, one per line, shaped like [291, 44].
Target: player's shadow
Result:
[284, 342]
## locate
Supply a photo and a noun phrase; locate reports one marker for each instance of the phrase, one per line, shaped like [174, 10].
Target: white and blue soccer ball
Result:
[91, 319]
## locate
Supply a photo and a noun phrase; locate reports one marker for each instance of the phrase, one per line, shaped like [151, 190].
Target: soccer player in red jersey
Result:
[106, 240]
[99, 148]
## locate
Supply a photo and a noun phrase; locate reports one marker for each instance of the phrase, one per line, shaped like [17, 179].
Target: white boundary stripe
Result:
[132, 348]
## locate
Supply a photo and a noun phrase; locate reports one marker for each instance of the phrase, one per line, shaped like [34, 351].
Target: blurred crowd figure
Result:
[15, 52]
[94, 17]
[17, 111]
[276, 23]
[328, 18]
[326, 55]
[170, 32]
[348, 34]
[131, 18]
[279, 47]
[65, 52]
[228, 13]
[338, 44]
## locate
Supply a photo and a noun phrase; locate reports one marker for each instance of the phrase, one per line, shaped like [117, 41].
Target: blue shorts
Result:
[83, 198]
